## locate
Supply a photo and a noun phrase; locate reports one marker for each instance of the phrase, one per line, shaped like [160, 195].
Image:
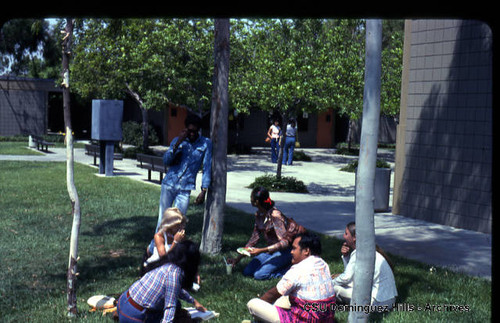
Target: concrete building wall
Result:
[444, 148]
[23, 105]
[23, 112]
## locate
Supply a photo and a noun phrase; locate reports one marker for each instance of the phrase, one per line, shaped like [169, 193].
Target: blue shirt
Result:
[159, 289]
[185, 162]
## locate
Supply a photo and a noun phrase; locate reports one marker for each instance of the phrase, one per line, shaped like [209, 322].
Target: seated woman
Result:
[275, 259]
[155, 297]
[171, 232]
[384, 290]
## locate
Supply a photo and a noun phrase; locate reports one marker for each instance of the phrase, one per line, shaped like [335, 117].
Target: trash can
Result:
[381, 189]
[31, 142]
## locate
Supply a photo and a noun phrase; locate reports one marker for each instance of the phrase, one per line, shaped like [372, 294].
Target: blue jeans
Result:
[128, 313]
[288, 150]
[274, 150]
[266, 265]
[171, 198]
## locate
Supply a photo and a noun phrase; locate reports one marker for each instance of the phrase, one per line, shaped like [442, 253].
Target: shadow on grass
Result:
[135, 229]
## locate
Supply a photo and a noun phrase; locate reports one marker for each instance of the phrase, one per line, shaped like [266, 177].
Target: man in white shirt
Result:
[307, 285]
[384, 286]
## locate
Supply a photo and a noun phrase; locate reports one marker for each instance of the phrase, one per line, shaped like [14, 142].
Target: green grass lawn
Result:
[118, 219]
[17, 148]
[20, 147]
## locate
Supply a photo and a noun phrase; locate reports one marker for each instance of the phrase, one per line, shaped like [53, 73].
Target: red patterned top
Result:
[272, 226]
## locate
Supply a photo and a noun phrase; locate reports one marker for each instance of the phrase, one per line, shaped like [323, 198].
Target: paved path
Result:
[330, 206]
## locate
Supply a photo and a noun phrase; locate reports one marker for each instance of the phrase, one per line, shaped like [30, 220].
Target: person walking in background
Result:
[289, 145]
[273, 134]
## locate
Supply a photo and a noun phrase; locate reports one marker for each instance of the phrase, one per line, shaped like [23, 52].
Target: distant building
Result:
[24, 105]
[444, 147]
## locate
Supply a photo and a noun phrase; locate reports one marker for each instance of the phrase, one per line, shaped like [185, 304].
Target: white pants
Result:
[266, 312]
[344, 295]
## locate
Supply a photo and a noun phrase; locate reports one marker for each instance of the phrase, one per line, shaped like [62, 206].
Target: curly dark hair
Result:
[193, 119]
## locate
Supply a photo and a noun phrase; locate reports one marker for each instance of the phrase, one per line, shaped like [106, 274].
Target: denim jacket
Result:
[183, 165]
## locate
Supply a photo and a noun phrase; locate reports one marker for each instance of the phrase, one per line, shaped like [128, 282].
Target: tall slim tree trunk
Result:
[349, 134]
[365, 229]
[73, 194]
[145, 129]
[213, 220]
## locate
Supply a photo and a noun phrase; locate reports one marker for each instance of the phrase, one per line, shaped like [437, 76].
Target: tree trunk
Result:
[73, 195]
[365, 229]
[145, 129]
[349, 134]
[284, 117]
[144, 113]
[213, 220]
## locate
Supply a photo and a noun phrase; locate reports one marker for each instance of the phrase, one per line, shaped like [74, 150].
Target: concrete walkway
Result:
[330, 206]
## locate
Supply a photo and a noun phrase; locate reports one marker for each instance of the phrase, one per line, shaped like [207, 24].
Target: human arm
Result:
[280, 230]
[271, 295]
[345, 250]
[269, 132]
[160, 241]
[347, 276]
[206, 178]
[173, 292]
[206, 162]
[201, 196]
[185, 296]
[234, 261]
[254, 238]
[173, 154]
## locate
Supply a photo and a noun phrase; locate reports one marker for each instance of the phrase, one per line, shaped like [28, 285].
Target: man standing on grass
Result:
[307, 284]
[187, 153]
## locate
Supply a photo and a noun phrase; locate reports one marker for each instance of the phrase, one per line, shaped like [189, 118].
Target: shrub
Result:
[342, 148]
[299, 155]
[132, 134]
[16, 138]
[284, 184]
[351, 167]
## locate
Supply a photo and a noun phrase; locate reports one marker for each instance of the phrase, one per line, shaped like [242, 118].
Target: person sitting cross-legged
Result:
[307, 285]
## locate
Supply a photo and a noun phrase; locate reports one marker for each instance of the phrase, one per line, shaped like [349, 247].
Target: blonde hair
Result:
[171, 217]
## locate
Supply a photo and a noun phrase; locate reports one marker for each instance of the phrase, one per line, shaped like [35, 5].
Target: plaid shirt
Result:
[272, 225]
[159, 289]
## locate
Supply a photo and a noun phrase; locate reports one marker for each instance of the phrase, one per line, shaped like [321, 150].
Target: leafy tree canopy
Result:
[28, 47]
[159, 60]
